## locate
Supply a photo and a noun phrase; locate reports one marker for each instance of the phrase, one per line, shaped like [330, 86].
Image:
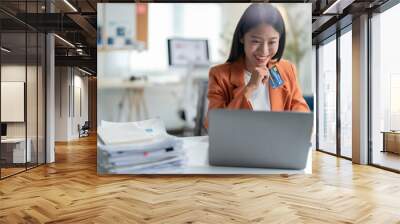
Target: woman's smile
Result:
[261, 59]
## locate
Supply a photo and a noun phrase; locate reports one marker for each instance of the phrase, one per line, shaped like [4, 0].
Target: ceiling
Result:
[332, 15]
[78, 27]
[76, 23]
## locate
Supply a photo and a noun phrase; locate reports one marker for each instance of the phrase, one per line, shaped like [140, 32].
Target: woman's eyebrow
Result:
[259, 37]
[255, 36]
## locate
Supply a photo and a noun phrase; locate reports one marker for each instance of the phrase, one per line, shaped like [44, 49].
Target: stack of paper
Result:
[138, 147]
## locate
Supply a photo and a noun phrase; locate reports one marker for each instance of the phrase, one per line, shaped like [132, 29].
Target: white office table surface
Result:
[197, 153]
[113, 83]
[13, 140]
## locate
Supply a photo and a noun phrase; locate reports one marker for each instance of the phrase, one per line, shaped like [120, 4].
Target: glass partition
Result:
[385, 89]
[32, 95]
[22, 66]
[346, 94]
[14, 153]
[327, 97]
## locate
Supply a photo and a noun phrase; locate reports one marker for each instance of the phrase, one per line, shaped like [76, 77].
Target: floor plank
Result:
[69, 191]
[386, 159]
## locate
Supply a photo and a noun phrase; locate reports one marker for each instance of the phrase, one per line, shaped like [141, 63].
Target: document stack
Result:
[138, 148]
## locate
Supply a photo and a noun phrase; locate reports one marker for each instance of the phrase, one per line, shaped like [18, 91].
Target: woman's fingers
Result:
[262, 74]
[266, 77]
[259, 75]
[264, 80]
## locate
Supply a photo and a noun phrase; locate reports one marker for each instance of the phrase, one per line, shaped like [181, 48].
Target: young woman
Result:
[243, 81]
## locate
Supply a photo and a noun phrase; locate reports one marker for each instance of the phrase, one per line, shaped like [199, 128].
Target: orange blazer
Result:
[226, 88]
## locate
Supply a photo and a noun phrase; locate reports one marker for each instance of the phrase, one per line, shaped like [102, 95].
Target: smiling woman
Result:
[255, 76]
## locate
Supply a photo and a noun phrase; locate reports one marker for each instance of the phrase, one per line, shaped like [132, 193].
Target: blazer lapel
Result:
[237, 79]
[237, 74]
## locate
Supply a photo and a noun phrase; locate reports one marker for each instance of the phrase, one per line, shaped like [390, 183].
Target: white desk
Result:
[197, 153]
[19, 149]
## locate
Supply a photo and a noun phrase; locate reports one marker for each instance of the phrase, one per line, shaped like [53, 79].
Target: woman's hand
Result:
[258, 75]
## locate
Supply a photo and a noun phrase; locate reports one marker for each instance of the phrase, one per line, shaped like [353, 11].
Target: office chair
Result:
[202, 107]
[84, 130]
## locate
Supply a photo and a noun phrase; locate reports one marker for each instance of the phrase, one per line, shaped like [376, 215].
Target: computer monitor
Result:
[3, 129]
[187, 52]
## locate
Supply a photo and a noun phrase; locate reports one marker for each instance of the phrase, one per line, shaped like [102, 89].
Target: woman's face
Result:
[260, 45]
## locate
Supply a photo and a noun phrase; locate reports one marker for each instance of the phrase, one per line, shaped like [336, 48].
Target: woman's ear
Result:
[241, 40]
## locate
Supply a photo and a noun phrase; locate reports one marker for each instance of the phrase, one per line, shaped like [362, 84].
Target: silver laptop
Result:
[259, 139]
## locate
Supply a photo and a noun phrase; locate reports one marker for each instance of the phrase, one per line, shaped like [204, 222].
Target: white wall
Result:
[33, 126]
[13, 72]
[16, 73]
[67, 115]
[80, 103]
[61, 103]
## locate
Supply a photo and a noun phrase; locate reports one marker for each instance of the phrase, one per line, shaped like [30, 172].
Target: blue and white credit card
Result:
[275, 80]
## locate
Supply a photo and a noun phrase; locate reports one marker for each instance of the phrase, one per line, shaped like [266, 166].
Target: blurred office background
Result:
[136, 80]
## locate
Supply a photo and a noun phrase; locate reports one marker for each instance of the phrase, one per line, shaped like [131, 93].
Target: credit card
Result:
[275, 78]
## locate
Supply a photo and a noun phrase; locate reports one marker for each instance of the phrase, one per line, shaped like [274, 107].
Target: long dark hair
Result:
[256, 14]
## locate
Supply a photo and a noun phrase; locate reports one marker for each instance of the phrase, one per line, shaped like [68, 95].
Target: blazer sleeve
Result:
[298, 102]
[218, 97]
